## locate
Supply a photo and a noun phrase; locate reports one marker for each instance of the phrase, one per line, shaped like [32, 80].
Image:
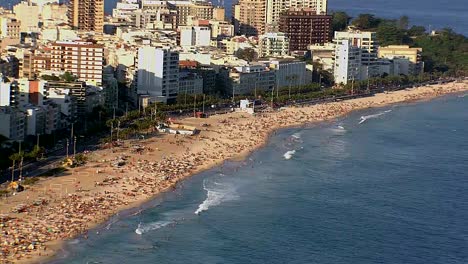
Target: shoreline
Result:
[92, 194]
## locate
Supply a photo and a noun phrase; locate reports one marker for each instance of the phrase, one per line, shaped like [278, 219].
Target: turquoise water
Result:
[378, 186]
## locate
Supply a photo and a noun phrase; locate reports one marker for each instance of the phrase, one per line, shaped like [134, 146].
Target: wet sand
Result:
[60, 208]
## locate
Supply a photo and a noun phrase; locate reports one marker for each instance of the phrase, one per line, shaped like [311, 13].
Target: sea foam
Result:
[367, 117]
[216, 193]
[143, 228]
[288, 155]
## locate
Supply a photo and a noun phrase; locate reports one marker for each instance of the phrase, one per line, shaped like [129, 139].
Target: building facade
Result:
[82, 59]
[86, 15]
[250, 17]
[273, 44]
[305, 27]
[347, 63]
[158, 73]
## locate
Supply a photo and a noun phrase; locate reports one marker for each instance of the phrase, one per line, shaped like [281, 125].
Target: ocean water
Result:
[377, 186]
[433, 14]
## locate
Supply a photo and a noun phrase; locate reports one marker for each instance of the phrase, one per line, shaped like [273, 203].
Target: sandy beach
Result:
[35, 222]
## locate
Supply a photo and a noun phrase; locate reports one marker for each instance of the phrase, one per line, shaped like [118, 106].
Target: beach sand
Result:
[60, 208]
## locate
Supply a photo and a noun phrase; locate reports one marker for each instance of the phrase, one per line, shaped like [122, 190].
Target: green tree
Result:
[68, 77]
[340, 21]
[247, 54]
[403, 22]
[416, 31]
[366, 21]
[388, 33]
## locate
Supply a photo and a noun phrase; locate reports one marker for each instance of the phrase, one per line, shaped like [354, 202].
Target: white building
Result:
[35, 120]
[273, 44]
[247, 79]
[190, 83]
[195, 36]
[365, 40]
[347, 63]
[5, 93]
[158, 73]
[13, 123]
[323, 54]
[290, 72]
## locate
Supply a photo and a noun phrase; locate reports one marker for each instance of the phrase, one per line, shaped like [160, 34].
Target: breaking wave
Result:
[143, 228]
[365, 118]
[288, 155]
[216, 193]
[296, 135]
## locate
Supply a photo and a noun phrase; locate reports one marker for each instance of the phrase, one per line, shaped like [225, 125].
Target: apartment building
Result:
[347, 62]
[305, 27]
[86, 15]
[83, 59]
[273, 44]
[250, 17]
[158, 73]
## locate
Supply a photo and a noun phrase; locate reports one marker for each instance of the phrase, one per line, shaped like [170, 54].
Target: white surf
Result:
[143, 228]
[367, 117]
[216, 193]
[288, 155]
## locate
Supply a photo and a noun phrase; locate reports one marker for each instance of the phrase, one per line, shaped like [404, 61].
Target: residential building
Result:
[35, 119]
[82, 59]
[158, 73]
[86, 15]
[289, 72]
[28, 14]
[304, 27]
[9, 66]
[273, 44]
[219, 13]
[275, 8]
[399, 53]
[10, 28]
[221, 29]
[190, 83]
[13, 123]
[365, 40]
[250, 17]
[347, 63]
[247, 79]
[195, 36]
[323, 54]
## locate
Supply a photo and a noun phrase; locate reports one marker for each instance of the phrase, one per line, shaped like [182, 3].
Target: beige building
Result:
[250, 17]
[86, 15]
[83, 59]
[28, 14]
[401, 51]
[9, 28]
[219, 13]
[275, 8]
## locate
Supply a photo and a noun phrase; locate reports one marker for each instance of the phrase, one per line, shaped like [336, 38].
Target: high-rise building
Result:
[250, 17]
[277, 7]
[347, 62]
[366, 41]
[305, 27]
[82, 59]
[158, 73]
[86, 15]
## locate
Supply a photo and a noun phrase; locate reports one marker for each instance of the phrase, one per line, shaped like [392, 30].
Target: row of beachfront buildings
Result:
[157, 50]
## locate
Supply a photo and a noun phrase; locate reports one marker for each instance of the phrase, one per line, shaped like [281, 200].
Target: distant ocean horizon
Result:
[433, 14]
